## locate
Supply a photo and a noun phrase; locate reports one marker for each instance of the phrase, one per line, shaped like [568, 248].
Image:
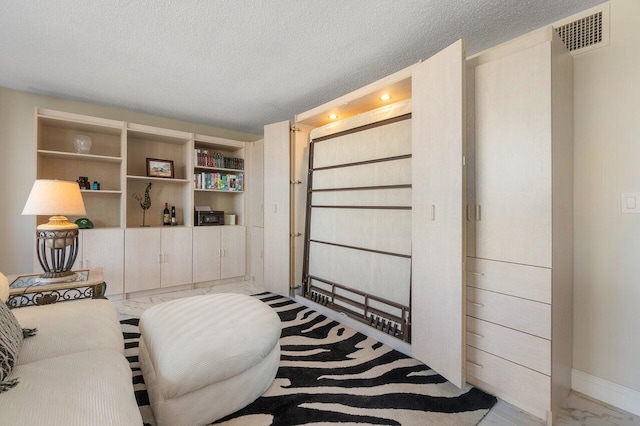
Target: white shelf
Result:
[218, 169]
[100, 191]
[79, 157]
[219, 190]
[156, 179]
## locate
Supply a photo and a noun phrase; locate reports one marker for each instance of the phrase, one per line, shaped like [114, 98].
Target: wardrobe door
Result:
[437, 216]
[277, 222]
[513, 158]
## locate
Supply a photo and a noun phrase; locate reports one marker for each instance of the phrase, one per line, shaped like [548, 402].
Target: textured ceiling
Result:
[240, 64]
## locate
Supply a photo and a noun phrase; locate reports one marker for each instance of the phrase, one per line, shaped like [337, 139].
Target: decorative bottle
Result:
[173, 216]
[166, 219]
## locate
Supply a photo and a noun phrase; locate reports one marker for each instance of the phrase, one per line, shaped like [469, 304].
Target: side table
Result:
[25, 290]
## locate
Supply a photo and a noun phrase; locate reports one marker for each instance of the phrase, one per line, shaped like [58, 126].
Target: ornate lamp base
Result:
[57, 245]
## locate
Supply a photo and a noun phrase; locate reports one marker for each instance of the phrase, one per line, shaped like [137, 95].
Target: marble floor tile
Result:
[579, 410]
[582, 410]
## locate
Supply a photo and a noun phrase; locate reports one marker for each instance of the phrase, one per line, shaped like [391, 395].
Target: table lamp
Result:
[57, 240]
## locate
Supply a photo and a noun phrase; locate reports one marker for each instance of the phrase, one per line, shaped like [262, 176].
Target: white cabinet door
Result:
[233, 248]
[104, 248]
[277, 222]
[437, 310]
[177, 260]
[141, 259]
[206, 253]
[513, 157]
[257, 254]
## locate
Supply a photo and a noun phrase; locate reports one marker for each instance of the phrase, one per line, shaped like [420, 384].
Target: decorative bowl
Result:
[82, 143]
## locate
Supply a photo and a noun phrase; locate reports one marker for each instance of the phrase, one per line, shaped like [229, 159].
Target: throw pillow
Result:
[10, 344]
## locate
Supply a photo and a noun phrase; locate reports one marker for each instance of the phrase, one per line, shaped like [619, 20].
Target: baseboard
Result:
[605, 391]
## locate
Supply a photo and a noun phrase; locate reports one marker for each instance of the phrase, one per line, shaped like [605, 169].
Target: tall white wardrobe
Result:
[519, 218]
[491, 248]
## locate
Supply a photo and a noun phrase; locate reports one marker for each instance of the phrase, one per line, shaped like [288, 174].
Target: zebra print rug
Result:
[331, 374]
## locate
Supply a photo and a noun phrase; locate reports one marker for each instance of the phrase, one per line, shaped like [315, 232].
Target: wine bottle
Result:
[166, 219]
[173, 216]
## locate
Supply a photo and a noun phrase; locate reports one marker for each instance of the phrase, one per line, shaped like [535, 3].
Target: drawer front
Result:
[513, 312]
[524, 349]
[528, 282]
[513, 383]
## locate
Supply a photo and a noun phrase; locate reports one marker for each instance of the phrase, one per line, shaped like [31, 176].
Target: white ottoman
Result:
[205, 357]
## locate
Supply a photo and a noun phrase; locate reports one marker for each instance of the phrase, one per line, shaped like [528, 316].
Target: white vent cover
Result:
[586, 30]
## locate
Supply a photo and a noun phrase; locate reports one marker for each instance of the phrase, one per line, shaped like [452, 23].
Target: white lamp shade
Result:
[54, 197]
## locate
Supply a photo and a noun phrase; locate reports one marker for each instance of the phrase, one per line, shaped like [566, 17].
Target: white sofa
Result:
[73, 371]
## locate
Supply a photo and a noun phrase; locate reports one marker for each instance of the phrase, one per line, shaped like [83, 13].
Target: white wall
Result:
[18, 163]
[607, 243]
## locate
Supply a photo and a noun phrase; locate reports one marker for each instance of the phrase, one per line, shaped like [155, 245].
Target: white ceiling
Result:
[240, 64]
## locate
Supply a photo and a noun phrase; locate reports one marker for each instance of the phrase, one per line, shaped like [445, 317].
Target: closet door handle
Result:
[479, 305]
[468, 212]
[433, 212]
[480, 274]
[474, 364]
[475, 334]
[478, 212]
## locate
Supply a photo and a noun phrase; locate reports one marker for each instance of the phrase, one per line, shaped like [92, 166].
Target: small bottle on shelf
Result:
[173, 216]
[166, 218]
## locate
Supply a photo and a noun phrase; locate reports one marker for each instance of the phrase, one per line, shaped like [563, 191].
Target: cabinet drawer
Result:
[511, 382]
[524, 349]
[513, 312]
[528, 282]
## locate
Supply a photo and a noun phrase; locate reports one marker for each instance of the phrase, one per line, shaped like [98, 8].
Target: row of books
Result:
[210, 158]
[219, 181]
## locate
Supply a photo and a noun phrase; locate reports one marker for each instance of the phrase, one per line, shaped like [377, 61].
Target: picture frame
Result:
[158, 168]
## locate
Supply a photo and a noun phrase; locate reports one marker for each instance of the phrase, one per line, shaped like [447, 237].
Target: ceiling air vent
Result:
[586, 30]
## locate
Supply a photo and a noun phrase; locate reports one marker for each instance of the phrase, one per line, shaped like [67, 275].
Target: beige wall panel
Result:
[385, 276]
[397, 197]
[562, 169]
[397, 172]
[606, 242]
[379, 142]
[382, 230]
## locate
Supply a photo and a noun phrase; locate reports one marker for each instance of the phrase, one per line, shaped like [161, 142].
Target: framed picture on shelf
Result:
[159, 168]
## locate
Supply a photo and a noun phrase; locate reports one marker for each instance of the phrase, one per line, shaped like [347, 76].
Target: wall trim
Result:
[606, 391]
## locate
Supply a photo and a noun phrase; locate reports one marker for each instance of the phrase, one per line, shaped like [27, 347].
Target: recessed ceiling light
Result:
[333, 116]
[385, 97]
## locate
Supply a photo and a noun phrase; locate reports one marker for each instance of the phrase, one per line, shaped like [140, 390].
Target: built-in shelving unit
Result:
[231, 201]
[118, 161]
[58, 159]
